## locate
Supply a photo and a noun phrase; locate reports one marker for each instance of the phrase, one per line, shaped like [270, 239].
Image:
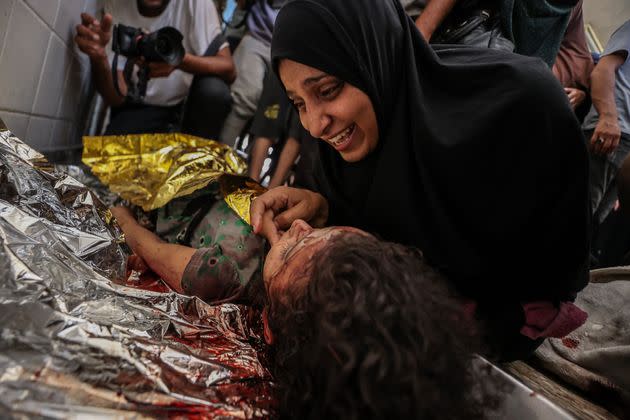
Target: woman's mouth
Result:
[342, 140]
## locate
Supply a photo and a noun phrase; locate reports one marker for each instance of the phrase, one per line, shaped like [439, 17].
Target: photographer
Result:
[161, 108]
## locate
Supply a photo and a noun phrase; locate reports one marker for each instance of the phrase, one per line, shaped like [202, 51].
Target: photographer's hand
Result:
[93, 36]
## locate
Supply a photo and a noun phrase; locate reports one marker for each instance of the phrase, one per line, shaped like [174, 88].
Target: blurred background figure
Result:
[607, 125]
[574, 63]
[161, 110]
[276, 128]
[252, 60]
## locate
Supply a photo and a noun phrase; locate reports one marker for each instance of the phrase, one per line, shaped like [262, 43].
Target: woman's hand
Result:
[276, 209]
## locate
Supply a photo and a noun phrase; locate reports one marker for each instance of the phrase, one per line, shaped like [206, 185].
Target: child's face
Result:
[289, 259]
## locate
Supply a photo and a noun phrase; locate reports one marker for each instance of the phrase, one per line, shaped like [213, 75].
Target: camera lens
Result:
[163, 46]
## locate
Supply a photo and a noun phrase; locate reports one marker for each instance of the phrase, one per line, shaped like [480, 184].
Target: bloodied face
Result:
[289, 259]
[289, 262]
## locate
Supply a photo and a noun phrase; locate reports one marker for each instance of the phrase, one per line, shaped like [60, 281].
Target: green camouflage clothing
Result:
[229, 254]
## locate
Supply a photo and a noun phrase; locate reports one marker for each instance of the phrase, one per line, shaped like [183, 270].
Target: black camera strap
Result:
[135, 91]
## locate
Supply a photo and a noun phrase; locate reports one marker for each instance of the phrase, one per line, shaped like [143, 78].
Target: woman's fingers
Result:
[276, 200]
[302, 210]
[261, 204]
[277, 208]
[269, 228]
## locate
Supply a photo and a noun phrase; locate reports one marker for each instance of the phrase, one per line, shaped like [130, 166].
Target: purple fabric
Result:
[544, 319]
[260, 21]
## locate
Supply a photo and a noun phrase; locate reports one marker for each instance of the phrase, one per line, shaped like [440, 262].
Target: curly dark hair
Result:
[375, 333]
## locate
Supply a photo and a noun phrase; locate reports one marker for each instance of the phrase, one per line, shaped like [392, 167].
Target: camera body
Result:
[162, 46]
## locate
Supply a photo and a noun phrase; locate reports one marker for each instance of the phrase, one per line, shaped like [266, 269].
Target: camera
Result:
[164, 45]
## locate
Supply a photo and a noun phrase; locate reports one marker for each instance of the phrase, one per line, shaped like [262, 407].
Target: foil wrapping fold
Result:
[149, 170]
[239, 192]
[79, 338]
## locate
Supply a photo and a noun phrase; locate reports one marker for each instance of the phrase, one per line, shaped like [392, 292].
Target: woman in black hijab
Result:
[474, 156]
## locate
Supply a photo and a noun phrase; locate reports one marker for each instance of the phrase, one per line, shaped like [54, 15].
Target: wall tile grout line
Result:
[41, 19]
[4, 41]
[27, 114]
[41, 74]
[52, 123]
[66, 80]
[70, 46]
[52, 28]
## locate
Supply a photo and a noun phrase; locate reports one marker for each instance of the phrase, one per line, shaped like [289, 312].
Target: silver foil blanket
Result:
[77, 338]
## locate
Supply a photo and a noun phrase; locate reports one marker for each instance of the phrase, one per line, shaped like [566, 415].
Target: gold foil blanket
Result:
[149, 170]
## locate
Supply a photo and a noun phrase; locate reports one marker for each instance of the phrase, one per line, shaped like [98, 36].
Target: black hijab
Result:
[480, 161]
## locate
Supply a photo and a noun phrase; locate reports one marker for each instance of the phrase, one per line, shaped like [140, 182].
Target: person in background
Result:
[428, 14]
[574, 63]
[276, 123]
[536, 27]
[168, 86]
[607, 125]
[251, 57]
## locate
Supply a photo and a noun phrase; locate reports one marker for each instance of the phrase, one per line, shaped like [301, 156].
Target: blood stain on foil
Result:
[570, 343]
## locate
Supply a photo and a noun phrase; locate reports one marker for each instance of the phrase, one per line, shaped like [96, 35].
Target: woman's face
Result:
[289, 259]
[331, 109]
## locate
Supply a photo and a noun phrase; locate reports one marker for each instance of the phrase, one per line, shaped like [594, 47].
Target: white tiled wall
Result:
[44, 79]
[606, 16]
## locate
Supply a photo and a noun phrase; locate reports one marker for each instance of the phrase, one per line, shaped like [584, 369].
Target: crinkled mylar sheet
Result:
[77, 338]
[149, 170]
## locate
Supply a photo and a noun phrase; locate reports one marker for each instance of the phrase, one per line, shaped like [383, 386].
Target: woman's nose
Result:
[319, 122]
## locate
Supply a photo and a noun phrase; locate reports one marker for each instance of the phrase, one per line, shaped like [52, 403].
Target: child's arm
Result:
[169, 261]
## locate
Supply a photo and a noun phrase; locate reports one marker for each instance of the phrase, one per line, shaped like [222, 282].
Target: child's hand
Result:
[122, 214]
[136, 263]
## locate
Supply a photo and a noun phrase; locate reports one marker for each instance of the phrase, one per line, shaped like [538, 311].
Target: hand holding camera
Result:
[93, 35]
[157, 54]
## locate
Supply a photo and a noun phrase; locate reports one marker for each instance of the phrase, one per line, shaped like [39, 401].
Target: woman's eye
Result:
[331, 91]
[299, 105]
